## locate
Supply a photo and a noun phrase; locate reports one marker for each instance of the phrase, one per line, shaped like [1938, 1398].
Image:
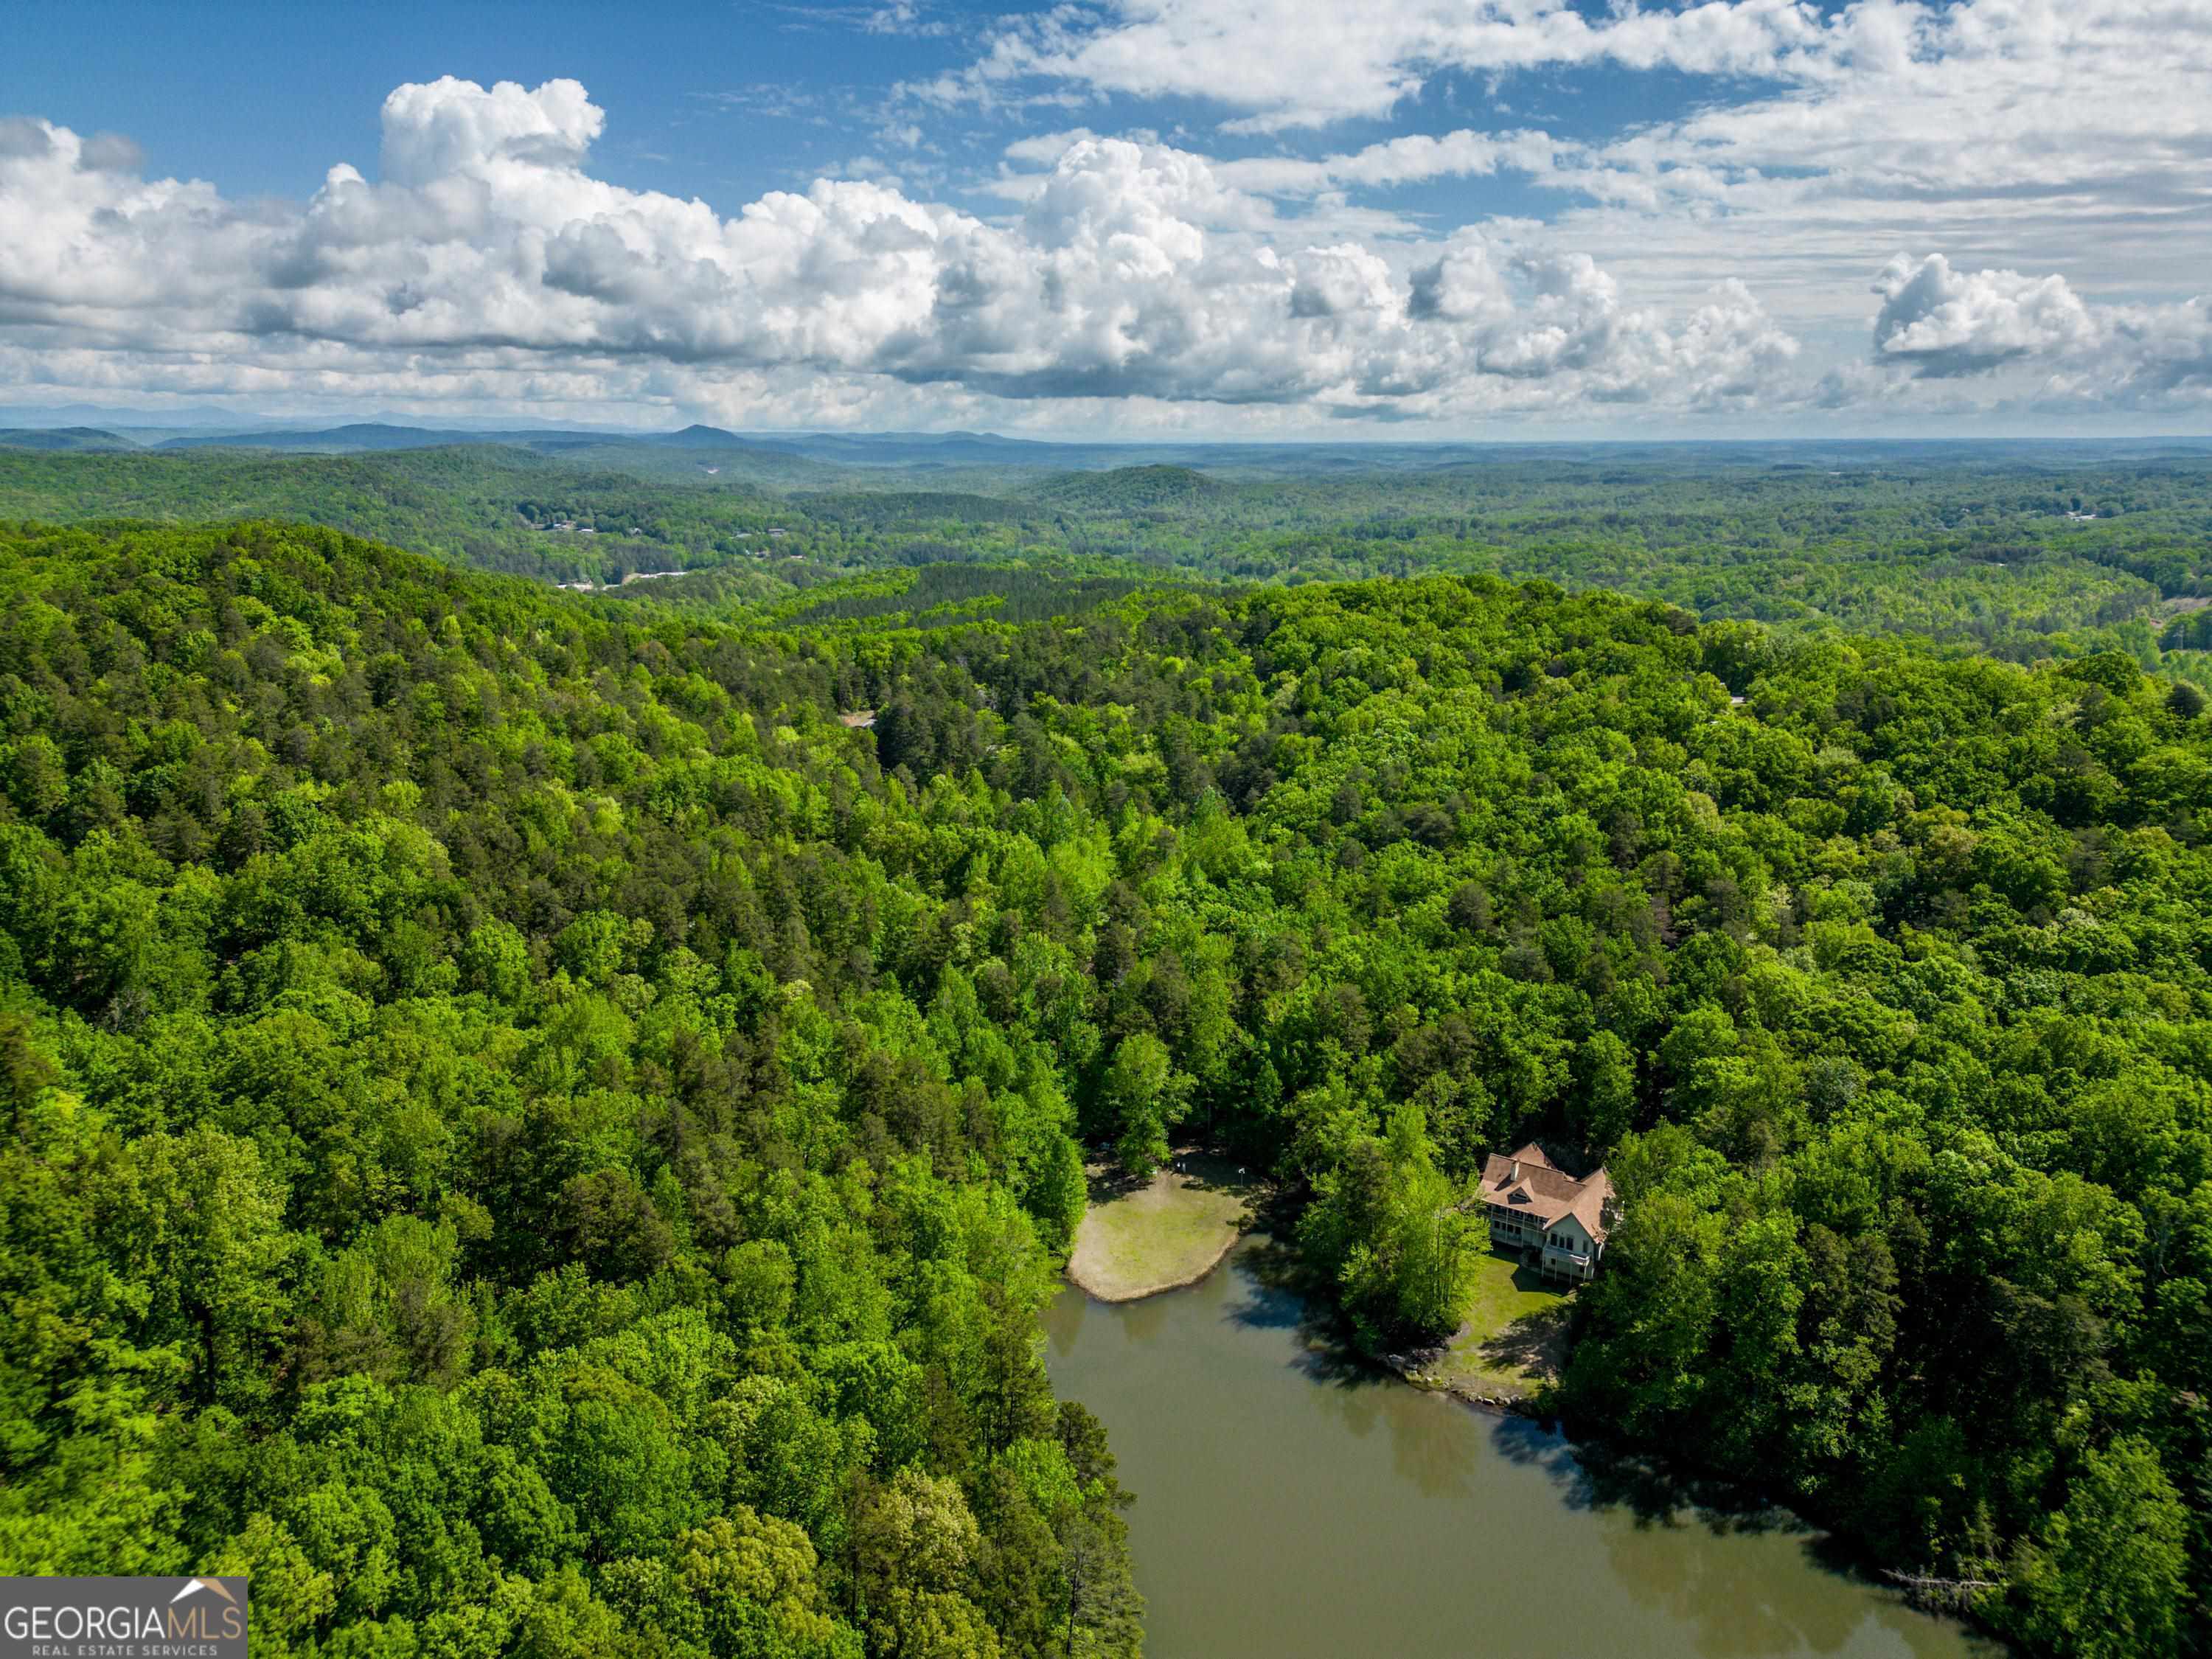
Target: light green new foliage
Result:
[2107, 1577]
[1392, 1226]
[1142, 1095]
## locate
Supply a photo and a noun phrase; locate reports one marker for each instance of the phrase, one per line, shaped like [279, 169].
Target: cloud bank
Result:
[1938, 324]
[1791, 146]
[1131, 270]
[486, 263]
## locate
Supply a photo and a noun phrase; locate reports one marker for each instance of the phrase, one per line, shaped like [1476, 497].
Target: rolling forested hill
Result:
[532, 1135]
[2022, 552]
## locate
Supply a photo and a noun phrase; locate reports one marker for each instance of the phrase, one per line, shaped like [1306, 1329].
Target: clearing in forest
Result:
[1139, 1237]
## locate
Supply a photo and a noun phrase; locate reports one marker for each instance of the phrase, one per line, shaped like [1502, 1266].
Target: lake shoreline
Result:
[1511, 1348]
[1411, 1370]
[1115, 1295]
[1140, 1239]
[1417, 1370]
[1191, 1174]
[1349, 1514]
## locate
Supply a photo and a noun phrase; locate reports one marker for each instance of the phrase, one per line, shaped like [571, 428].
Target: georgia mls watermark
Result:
[123, 1617]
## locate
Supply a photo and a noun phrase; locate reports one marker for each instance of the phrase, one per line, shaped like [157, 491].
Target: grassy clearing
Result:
[1513, 1338]
[1141, 1237]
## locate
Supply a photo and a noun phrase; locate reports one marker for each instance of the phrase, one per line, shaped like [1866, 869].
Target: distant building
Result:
[1537, 1210]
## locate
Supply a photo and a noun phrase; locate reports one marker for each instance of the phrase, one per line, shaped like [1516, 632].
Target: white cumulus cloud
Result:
[485, 250]
[1794, 141]
[1289, 63]
[1936, 322]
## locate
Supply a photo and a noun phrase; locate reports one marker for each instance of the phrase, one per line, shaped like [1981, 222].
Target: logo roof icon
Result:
[193, 1584]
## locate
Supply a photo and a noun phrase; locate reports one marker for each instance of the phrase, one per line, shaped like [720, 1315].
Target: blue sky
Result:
[1265, 218]
[722, 101]
[308, 79]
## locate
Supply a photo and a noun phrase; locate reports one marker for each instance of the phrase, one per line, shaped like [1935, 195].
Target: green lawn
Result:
[1138, 1238]
[1513, 1337]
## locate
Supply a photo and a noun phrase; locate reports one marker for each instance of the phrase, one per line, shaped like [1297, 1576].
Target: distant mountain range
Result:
[209, 417]
[62, 437]
[336, 440]
[73, 428]
[849, 449]
[859, 449]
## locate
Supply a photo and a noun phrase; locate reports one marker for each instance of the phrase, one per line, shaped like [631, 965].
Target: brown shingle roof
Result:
[1543, 1190]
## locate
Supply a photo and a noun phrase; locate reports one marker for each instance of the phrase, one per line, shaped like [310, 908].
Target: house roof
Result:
[1528, 1183]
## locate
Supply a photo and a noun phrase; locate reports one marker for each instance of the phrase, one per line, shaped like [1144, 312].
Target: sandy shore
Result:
[1139, 1238]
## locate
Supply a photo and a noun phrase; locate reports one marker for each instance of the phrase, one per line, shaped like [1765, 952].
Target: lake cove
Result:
[1292, 1504]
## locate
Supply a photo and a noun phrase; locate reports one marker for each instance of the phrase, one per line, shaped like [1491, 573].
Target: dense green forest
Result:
[466, 1171]
[533, 1136]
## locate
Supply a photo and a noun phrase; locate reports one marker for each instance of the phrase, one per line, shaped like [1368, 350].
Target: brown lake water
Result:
[1293, 1505]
